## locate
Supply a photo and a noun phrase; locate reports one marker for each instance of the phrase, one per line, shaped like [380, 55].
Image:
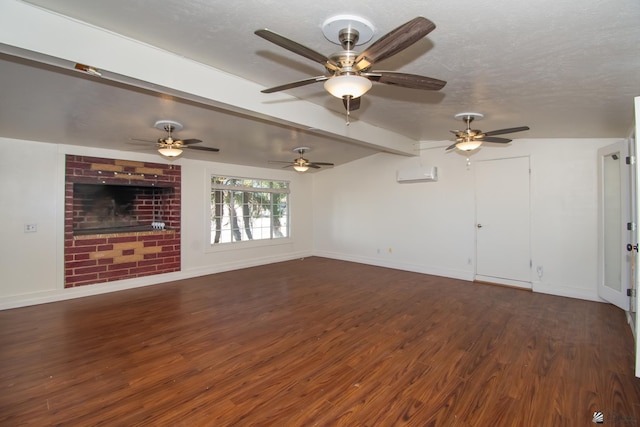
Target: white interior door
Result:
[614, 261]
[503, 248]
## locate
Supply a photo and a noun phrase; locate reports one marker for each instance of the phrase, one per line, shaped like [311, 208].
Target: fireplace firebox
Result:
[109, 208]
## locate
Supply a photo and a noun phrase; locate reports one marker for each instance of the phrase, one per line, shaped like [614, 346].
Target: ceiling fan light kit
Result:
[169, 151]
[348, 85]
[468, 145]
[301, 168]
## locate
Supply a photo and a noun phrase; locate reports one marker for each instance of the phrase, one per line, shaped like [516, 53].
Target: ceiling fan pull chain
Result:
[348, 108]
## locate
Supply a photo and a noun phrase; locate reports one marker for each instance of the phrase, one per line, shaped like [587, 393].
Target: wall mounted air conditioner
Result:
[423, 174]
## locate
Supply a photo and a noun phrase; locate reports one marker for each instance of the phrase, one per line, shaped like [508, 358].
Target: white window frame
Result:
[254, 186]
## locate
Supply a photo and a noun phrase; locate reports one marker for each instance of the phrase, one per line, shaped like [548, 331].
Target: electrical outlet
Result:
[30, 228]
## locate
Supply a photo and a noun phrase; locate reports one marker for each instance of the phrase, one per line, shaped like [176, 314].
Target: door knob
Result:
[479, 225]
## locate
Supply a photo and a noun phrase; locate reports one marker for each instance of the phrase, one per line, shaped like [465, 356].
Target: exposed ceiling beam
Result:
[62, 41]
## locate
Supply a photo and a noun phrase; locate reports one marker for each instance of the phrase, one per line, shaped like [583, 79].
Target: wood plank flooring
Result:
[317, 342]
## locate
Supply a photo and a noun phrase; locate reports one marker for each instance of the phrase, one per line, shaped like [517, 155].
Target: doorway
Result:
[503, 230]
[614, 224]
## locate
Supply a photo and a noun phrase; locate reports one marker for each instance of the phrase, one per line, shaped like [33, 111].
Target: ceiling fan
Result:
[301, 164]
[172, 147]
[348, 73]
[470, 139]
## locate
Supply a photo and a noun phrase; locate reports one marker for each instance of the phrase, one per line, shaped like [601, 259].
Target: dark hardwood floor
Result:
[317, 342]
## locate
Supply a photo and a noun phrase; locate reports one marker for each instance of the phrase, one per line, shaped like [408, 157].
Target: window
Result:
[244, 209]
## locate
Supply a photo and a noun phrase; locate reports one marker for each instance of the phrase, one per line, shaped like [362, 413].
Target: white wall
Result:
[356, 212]
[364, 215]
[32, 192]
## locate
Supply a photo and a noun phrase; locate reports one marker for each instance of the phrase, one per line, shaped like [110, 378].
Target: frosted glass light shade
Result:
[170, 151]
[468, 145]
[301, 168]
[347, 85]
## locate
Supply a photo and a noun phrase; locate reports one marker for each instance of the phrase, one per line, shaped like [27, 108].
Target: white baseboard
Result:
[506, 282]
[101, 288]
[120, 285]
[557, 290]
[434, 271]
[566, 291]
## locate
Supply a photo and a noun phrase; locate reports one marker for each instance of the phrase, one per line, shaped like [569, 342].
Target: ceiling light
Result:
[468, 145]
[170, 151]
[301, 168]
[347, 85]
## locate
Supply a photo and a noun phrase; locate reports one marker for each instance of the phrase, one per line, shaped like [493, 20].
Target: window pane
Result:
[240, 213]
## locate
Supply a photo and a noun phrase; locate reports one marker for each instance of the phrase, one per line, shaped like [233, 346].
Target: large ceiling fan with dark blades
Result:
[301, 164]
[470, 139]
[348, 74]
[169, 146]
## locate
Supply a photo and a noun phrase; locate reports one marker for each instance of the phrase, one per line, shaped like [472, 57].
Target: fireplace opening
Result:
[109, 208]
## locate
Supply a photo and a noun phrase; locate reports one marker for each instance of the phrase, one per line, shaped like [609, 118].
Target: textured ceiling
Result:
[567, 69]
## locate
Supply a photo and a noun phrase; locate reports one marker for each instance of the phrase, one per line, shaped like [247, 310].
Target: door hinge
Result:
[631, 226]
[631, 292]
[630, 160]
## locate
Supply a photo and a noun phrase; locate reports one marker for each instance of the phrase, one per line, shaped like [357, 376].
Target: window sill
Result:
[250, 244]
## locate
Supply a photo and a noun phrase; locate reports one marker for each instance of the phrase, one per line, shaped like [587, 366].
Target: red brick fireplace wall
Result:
[114, 254]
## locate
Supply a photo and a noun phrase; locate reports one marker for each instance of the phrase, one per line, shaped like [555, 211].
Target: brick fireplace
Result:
[122, 219]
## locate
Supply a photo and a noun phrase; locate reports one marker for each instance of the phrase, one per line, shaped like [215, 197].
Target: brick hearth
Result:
[104, 257]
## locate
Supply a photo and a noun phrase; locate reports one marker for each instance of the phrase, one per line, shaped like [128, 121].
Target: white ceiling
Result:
[567, 69]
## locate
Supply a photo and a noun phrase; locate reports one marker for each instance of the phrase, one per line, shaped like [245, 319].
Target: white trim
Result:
[500, 281]
[566, 291]
[415, 268]
[102, 288]
[119, 285]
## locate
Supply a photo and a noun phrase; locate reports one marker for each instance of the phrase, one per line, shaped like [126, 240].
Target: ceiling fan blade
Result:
[322, 163]
[411, 81]
[395, 41]
[503, 131]
[451, 147]
[141, 141]
[313, 165]
[295, 84]
[189, 141]
[195, 147]
[279, 161]
[354, 103]
[494, 139]
[296, 47]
